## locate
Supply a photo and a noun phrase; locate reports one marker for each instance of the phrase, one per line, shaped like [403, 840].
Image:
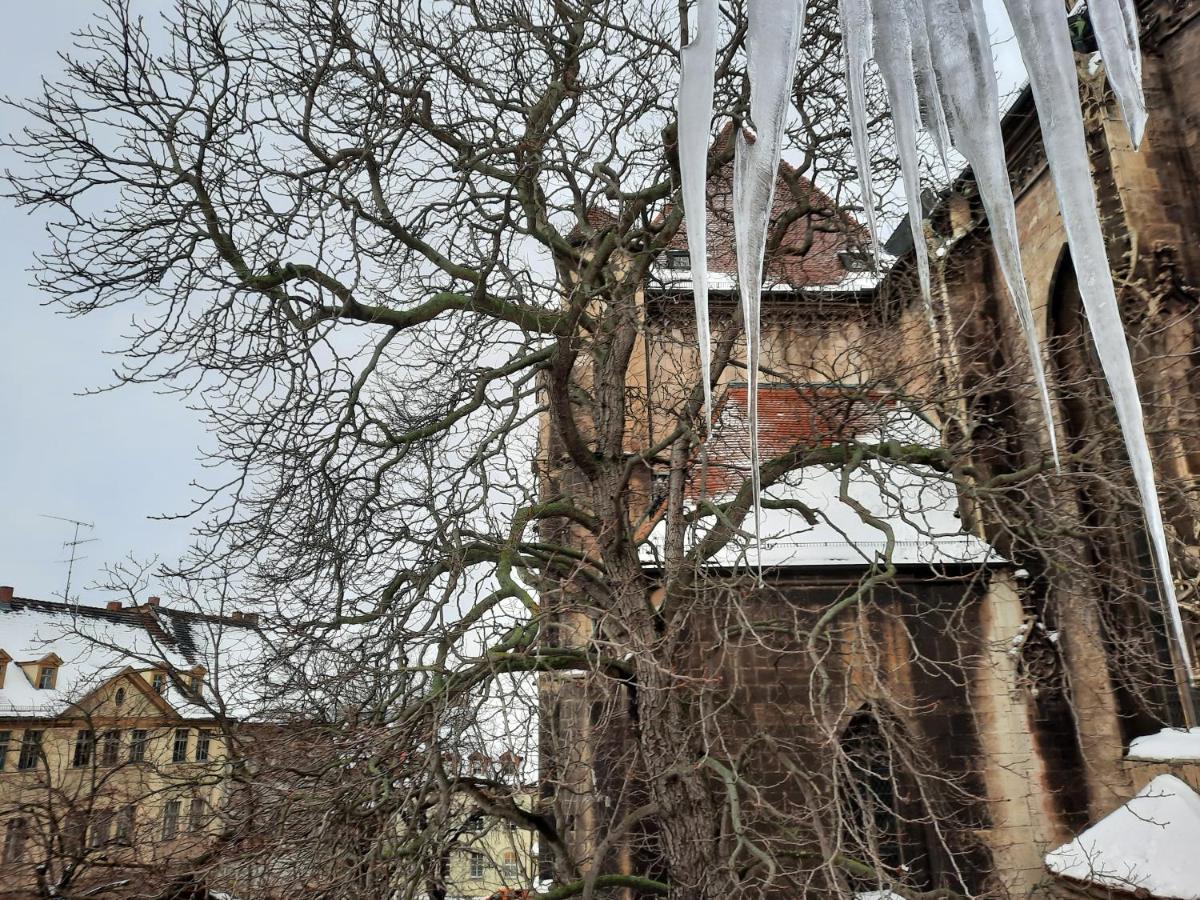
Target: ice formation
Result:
[962, 60]
[772, 42]
[1042, 35]
[697, 61]
[1115, 23]
[935, 58]
[894, 56]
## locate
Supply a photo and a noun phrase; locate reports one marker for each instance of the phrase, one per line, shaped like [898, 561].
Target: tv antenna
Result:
[73, 545]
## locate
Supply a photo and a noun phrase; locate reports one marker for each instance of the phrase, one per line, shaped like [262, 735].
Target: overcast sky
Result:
[116, 459]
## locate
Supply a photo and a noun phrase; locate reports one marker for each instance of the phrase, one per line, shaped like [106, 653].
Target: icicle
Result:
[927, 86]
[894, 58]
[772, 42]
[697, 66]
[1041, 31]
[1115, 23]
[856, 36]
[961, 53]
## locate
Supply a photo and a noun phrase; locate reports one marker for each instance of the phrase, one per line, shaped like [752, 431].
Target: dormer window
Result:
[42, 673]
[47, 677]
[196, 682]
[4, 660]
[677, 260]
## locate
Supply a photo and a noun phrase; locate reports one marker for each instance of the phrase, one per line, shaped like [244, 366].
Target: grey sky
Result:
[115, 459]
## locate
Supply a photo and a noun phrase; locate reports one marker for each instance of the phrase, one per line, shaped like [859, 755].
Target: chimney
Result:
[113, 605]
[6, 596]
[153, 601]
[246, 618]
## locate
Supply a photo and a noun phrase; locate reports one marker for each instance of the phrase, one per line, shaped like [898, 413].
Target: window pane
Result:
[179, 750]
[170, 820]
[198, 814]
[111, 748]
[202, 745]
[102, 828]
[31, 750]
[511, 869]
[137, 745]
[85, 742]
[15, 833]
[74, 833]
[125, 825]
[678, 259]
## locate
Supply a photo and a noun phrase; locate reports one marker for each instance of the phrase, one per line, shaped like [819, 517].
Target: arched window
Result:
[871, 799]
[1072, 357]
[1145, 696]
[884, 818]
[510, 867]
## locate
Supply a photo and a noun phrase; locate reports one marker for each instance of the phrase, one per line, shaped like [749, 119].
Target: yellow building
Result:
[492, 856]
[111, 762]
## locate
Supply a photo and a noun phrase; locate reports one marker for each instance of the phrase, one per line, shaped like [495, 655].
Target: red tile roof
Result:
[788, 417]
[807, 254]
[796, 261]
[791, 263]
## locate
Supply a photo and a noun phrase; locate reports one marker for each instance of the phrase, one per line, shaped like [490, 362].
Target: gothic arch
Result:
[899, 809]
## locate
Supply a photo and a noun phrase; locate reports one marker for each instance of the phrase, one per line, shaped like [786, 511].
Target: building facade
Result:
[982, 668]
[113, 765]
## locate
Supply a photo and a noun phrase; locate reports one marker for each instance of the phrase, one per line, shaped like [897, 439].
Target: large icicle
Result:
[772, 43]
[1116, 25]
[927, 86]
[1041, 30]
[697, 65]
[958, 38]
[893, 55]
[856, 36]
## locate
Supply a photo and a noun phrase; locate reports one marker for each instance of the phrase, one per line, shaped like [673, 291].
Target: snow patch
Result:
[1148, 844]
[1168, 745]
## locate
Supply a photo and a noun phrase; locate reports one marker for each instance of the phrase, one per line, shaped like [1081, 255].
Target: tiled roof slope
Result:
[788, 417]
[174, 629]
[795, 262]
[806, 256]
[97, 643]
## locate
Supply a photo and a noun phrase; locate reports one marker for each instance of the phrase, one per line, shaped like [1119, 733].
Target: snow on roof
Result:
[1149, 844]
[919, 504]
[664, 277]
[96, 644]
[1167, 745]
